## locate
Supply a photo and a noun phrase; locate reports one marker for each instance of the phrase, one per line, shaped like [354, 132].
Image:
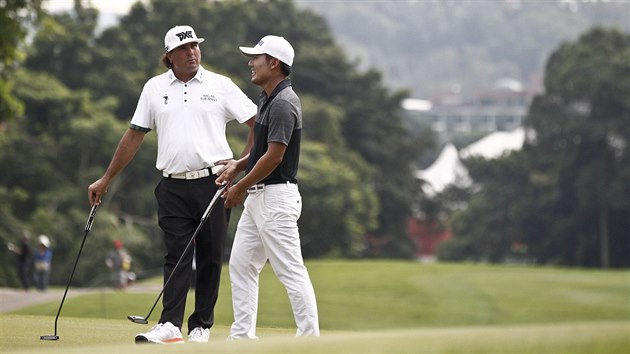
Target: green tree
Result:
[376, 130]
[339, 209]
[335, 223]
[49, 156]
[493, 220]
[63, 45]
[582, 133]
[15, 17]
[564, 195]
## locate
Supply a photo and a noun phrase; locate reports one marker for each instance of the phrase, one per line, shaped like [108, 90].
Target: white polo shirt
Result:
[190, 117]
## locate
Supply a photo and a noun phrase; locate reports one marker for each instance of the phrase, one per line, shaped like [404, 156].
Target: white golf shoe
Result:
[161, 333]
[199, 335]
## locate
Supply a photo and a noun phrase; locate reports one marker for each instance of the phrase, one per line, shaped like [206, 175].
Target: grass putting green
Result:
[20, 334]
[373, 307]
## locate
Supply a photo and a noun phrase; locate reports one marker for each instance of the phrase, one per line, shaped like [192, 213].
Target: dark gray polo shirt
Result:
[279, 120]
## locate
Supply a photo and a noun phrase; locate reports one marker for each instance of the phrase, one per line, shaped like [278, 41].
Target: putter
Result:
[217, 195]
[88, 227]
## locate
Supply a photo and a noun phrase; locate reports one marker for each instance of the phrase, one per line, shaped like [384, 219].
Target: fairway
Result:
[371, 307]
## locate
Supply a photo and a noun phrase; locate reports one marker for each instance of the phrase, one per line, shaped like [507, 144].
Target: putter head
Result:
[137, 319]
[49, 337]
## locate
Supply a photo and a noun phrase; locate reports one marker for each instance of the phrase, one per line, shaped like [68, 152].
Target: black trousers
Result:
[25, 272]
[181, 204]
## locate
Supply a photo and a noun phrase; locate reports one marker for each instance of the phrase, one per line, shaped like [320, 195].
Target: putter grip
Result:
[216, 197]
[88, 225]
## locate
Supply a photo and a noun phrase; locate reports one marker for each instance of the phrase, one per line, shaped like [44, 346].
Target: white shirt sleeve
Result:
[143, 116]
[239, 105]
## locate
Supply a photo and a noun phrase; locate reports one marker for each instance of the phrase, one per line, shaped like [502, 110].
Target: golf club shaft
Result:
[88, 227]
[204, 217]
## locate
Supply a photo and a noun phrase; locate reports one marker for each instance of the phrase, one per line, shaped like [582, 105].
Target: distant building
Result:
[500, 108]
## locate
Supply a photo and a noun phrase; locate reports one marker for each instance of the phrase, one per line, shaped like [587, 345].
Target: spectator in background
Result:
[24, 257]
[43, 259]
[119, 263]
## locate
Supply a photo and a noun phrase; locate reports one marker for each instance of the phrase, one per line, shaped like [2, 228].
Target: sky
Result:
[117, 7]
[109, 10]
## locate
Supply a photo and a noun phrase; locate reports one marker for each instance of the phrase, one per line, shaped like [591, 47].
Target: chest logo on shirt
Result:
[208, 97]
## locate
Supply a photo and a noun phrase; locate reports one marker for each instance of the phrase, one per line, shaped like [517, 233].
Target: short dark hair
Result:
[284, 68]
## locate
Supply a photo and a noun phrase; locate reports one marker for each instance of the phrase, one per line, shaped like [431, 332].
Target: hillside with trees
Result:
[436, 46]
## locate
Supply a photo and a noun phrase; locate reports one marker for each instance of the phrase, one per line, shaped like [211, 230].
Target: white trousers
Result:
[268, 230]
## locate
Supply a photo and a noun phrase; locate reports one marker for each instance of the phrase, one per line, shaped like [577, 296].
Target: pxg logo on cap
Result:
[184, 35]
[180, 35]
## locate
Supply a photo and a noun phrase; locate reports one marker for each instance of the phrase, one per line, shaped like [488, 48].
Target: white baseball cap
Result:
[277, 47]
[43, 239]
[180, 35]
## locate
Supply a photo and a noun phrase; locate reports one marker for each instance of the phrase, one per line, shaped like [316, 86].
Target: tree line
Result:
[565, 197]
[470, 44]
[78, 89]
[69, 92]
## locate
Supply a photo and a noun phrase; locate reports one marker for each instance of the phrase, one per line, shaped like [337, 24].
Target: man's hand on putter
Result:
[96, 190]
[234, 195]
[228, 172]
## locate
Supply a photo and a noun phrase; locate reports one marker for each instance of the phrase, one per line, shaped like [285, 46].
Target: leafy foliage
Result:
[15, 16]
[587, 99]
[80, 89]
[565, 195]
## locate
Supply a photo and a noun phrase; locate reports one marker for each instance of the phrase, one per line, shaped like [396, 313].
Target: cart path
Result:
[12, 299]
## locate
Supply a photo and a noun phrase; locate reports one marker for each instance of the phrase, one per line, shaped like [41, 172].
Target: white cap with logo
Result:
[277, 47]
[44, 240]
[180, 35]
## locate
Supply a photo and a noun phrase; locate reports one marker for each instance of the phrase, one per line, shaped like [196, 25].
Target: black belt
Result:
[259, 187]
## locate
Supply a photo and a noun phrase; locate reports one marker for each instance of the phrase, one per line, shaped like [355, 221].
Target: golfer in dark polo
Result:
[268, 228]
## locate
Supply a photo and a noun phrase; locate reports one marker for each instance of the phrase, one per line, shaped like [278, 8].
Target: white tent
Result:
[496, 144]
[448, 168]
